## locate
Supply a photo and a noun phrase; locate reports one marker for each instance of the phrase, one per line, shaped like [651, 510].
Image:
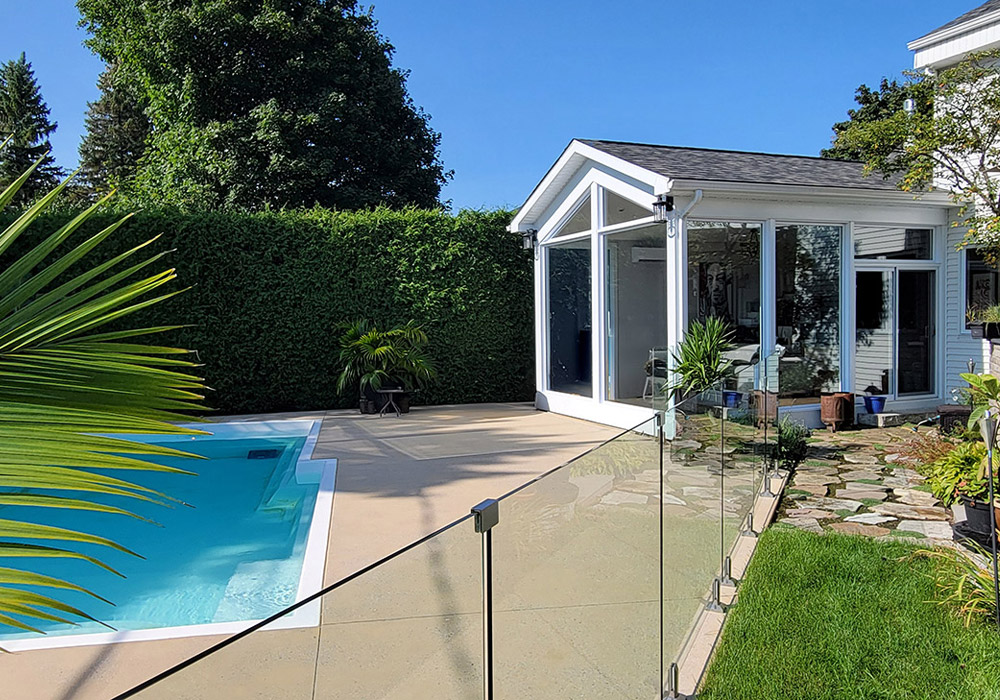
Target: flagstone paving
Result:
[857, 482]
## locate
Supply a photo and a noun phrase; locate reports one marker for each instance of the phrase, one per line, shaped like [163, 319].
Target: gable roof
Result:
[984, 9]
[704, 164]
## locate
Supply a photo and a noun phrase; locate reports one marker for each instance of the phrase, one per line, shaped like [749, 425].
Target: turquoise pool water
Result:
[236, 554]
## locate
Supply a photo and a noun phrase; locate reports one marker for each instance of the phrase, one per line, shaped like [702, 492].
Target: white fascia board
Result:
[945, 34]
[808, 192]
[575, 155]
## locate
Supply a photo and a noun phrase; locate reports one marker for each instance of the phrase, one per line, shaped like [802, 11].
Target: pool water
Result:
[235, 554]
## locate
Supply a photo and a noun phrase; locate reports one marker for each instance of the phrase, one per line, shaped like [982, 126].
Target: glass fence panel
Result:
[692, 515]
[411, 627]
[576, 566]
[742, 443]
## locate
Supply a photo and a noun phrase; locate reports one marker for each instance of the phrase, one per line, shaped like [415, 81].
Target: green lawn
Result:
[836, 616]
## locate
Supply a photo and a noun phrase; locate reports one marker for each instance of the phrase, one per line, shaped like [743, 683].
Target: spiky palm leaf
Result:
[64, 385]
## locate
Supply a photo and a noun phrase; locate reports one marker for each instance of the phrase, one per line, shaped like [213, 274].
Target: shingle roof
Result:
[739, 166]
[985, 8]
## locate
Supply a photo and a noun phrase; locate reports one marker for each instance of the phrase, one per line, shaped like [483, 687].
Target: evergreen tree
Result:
[24, 117]
[256, 103]
[117, 129]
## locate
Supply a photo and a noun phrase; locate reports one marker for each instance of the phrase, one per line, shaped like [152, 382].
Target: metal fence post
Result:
[487, 515]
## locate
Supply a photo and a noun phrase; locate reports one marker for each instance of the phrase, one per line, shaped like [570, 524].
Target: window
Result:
[893, 243]
[578, 222]
[618, 210]
[636, 312]
[569, 317]
[808, 310]
[981, 283]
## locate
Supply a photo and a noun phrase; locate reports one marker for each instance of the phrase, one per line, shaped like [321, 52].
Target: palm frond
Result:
[73, 381]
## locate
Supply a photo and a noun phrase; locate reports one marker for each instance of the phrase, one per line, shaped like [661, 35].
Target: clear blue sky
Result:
[508, 84]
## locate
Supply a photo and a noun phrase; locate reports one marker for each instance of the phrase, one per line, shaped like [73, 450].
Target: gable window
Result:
[579, 222]
[618, 210]
[982, 283]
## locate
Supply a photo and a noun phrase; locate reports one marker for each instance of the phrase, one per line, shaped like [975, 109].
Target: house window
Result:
[637, 325]
[569, 317]
[724, 277]
[893, 243]
[982, 283]
[808, 310]
[578, 222]
[618, 210]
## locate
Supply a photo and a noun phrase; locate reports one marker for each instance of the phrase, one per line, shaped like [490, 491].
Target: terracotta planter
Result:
[837, 409]
[766, 404]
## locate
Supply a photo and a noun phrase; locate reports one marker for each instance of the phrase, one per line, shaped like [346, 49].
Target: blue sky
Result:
[508, 84]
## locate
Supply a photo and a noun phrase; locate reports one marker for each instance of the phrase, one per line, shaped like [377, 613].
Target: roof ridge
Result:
[720, 150]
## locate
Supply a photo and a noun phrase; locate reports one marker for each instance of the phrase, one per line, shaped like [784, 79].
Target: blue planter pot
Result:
[731, 399]
[874, 404]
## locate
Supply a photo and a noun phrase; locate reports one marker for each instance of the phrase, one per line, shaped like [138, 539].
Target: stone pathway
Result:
[856, 482]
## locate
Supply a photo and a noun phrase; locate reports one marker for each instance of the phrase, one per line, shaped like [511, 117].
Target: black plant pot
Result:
[954, 417]
[977, 516]
[987, 331]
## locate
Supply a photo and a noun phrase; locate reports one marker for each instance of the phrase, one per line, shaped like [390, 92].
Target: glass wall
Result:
[807, 309]
[569, 317]
[724, 281]
[637, 318]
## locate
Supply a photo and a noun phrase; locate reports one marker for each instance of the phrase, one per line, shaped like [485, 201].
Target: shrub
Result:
[958, 473]
[792, 443]
[700, 361]
[269, 290]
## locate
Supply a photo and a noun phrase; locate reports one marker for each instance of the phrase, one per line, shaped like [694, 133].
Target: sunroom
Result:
[842, 277]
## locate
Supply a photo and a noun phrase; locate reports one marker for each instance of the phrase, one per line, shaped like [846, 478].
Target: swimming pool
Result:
[252, 542]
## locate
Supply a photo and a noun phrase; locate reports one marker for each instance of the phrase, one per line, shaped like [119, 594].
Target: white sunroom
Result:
[856, 285]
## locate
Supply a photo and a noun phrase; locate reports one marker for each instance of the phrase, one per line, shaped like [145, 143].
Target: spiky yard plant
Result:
[372, 357]
[700, 362]
[66, 381]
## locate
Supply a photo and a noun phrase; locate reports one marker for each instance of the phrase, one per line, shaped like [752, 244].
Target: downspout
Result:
[698, 196]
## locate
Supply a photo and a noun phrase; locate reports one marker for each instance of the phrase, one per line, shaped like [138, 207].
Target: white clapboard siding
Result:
[958, 343]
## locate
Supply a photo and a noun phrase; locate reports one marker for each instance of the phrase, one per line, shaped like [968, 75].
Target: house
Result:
[841, 275]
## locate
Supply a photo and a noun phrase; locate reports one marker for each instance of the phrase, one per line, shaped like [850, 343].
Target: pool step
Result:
[258, 589]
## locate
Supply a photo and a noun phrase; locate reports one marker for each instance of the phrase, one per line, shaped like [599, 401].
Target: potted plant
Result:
[984, 322]
[376, 359]
[959, 477]
[699, 362]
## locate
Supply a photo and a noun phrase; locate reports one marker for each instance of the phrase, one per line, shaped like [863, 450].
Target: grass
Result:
[873, 482]
[841, 617]
[871, 501]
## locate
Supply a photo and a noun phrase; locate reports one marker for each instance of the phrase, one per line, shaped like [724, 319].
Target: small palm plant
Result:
[65, 382]
[699, 361]
[373, 358]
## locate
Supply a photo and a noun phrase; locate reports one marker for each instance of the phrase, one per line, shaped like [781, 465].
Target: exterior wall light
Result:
[662, 207]
[529, 239]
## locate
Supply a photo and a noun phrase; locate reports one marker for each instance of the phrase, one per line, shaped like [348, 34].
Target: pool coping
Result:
[313, 561]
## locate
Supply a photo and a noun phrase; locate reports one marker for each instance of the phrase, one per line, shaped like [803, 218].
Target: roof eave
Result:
[939, 35]
[935, 198]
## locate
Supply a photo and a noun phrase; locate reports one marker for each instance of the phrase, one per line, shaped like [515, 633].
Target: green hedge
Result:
[268, 290]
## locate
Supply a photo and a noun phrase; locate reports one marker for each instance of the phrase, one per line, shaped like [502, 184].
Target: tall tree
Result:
[117, 129]
[259, 103]
[873, 106]
[24, 118]
[953, 146]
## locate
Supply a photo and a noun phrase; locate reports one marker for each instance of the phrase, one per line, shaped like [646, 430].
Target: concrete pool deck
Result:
[397, 480]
